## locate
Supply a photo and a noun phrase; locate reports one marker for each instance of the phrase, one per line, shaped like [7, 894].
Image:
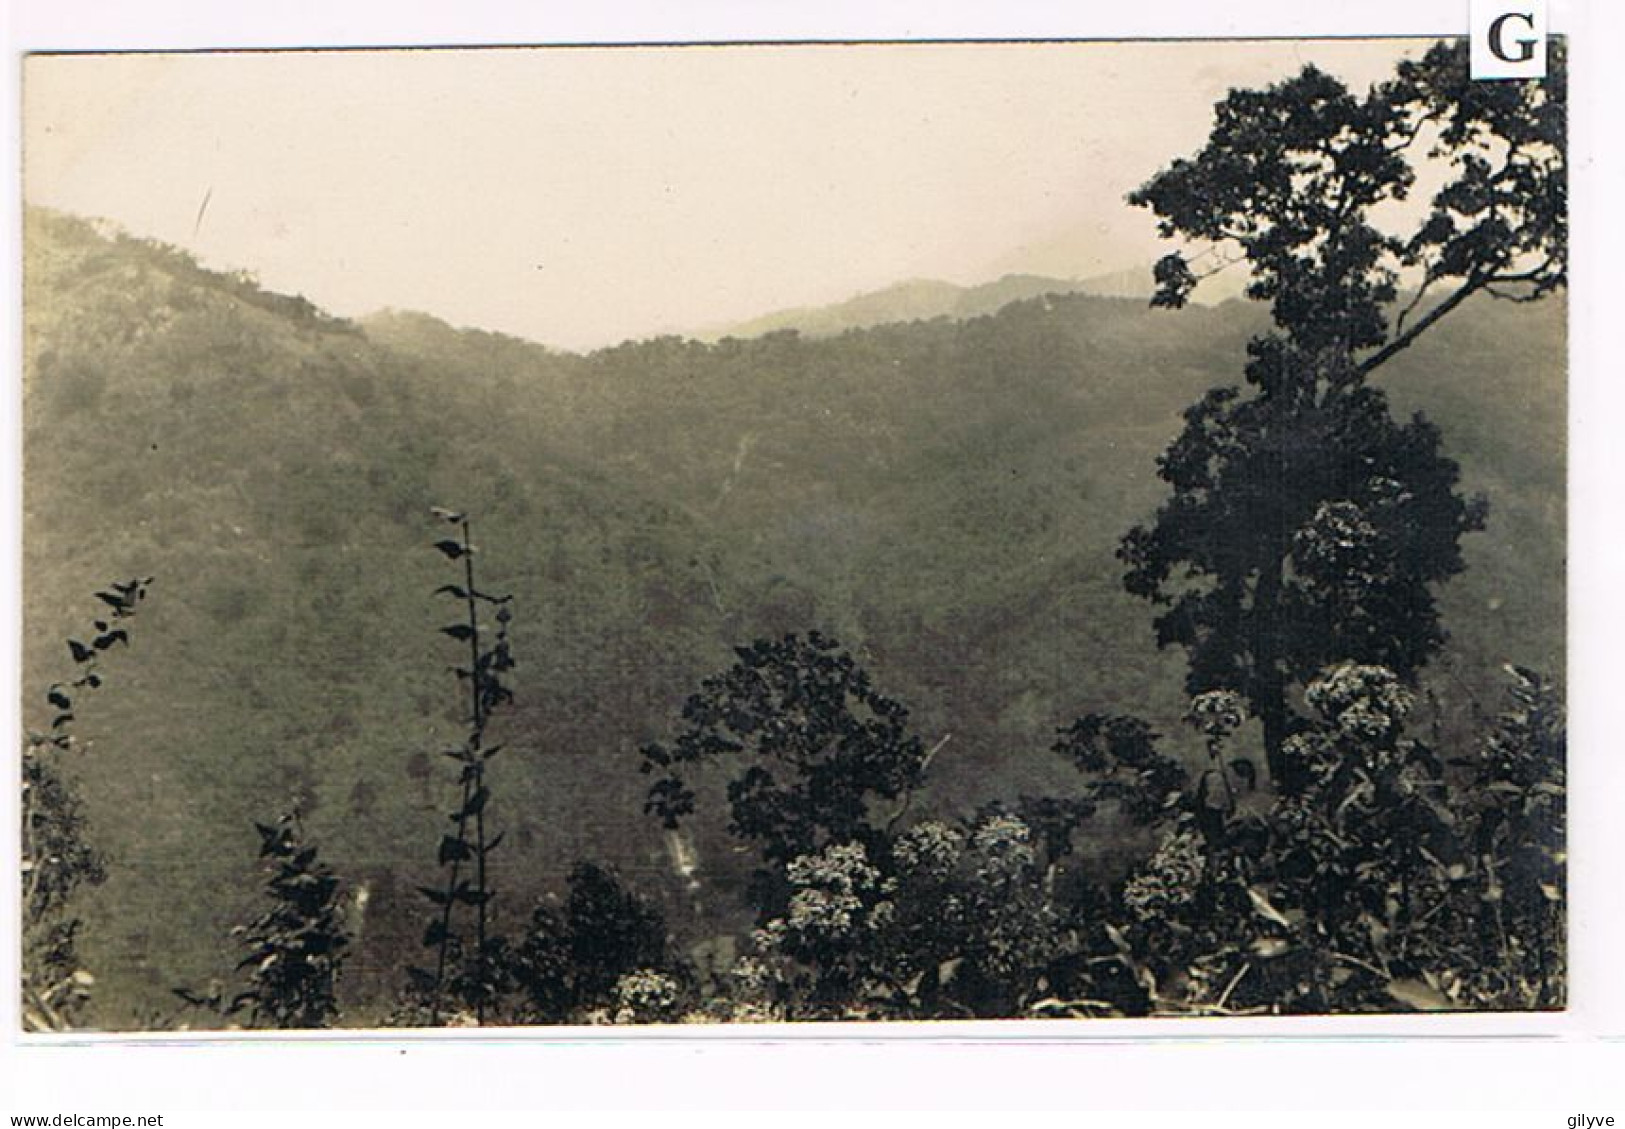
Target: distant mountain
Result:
[944, 493]
[925, 299]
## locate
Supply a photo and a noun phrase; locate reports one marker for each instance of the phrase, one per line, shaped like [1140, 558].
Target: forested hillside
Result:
[946, 497]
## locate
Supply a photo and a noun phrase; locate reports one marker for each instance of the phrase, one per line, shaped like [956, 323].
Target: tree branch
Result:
[908, 796]
[1473, 284]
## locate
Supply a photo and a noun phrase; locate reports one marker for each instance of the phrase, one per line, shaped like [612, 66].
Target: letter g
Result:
[1526, 47]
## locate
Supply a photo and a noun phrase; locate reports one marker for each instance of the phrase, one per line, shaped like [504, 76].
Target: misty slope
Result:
[274, 473]
[946, 497]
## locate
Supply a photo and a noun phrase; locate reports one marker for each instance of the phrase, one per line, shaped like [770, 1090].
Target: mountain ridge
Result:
[923, 299]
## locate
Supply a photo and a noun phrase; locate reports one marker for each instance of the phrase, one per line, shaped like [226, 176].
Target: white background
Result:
[1574, 1063]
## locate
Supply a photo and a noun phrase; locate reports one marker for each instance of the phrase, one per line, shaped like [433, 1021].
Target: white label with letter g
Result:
[1509, 39]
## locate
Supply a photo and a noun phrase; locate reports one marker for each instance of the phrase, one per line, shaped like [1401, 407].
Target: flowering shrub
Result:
[952, 922]
[1362, 879]
[1365, 703]
[646, 996]
[1170, 878]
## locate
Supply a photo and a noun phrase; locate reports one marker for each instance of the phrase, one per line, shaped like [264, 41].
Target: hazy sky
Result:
[583, 196]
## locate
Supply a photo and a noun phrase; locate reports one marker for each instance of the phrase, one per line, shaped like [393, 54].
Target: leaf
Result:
[1269, 947]
[117, 635]
[434, 934]
[448, 515]
[452, 590]
[270, 839]
[79, 651]
[476, 802]
[1419, 995]
[193, 998]
[459, 631]
[1246, 772]
[452, 549]
[1268, 912]
[438, 897]
[495, 839]
[453, 849]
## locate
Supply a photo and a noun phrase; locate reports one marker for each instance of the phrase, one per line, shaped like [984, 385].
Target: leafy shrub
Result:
[571, 964]
[57, 855]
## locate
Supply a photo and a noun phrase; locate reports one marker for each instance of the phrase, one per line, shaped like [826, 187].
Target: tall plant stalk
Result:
[469, 842]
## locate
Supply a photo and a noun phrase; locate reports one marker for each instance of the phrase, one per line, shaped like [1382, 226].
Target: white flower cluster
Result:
[1364, 702]
[1004, 844]
[1170, 877]
[832, 886]
[1217, 713]
[929, 850]
[645, 996]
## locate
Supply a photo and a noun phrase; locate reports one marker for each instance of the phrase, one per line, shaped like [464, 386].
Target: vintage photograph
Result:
[675, 535]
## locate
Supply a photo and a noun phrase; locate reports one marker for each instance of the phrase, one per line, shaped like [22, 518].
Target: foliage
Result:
[646, 996]
[1293, 178]
[57, 856]
[297, 948]
[1302, 529]
[818, 740]
[478, 982]
[1119, 755]
[1306, 526]
[1377, 885]
[1516, 822]
[608, 953]
[953, 922]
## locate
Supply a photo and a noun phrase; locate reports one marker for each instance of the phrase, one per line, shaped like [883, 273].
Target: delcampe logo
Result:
[1509, 39]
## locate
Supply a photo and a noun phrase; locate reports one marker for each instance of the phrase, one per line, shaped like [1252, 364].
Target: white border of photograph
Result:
[1337, 1061]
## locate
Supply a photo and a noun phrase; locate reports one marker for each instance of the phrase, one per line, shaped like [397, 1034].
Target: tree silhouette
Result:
[820, 742]
[1306, 525]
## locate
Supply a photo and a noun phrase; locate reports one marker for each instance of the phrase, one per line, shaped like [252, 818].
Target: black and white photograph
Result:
[769, 535]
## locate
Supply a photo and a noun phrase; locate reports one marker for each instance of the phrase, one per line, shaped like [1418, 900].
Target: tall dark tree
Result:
[1306, 525]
